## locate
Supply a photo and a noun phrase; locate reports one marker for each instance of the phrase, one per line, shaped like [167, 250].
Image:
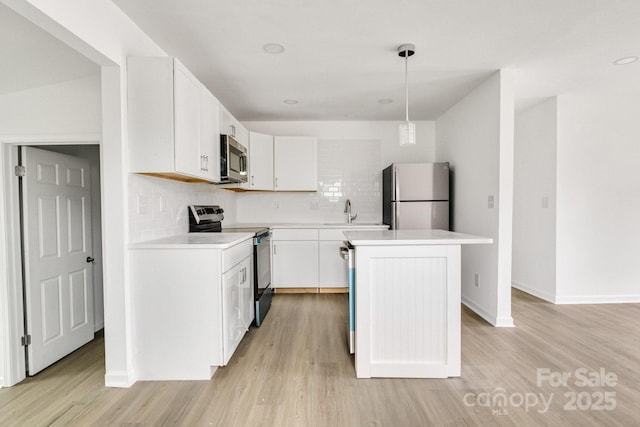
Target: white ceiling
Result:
[341, 58]
[32, 58]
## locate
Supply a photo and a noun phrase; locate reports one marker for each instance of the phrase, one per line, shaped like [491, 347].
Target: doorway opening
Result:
[58, 252]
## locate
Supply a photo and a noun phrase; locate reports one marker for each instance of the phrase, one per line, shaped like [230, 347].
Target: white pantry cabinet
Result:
[191, 306]
[295, 163]
[260, 162]
[173, 121]
[294, 255]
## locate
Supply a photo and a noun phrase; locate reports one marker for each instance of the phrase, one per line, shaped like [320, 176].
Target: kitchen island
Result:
[407, 299]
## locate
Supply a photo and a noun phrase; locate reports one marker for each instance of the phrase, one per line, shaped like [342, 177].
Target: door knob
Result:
[89, 259]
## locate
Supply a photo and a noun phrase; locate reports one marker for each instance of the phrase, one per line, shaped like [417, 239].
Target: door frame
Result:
[11, 291]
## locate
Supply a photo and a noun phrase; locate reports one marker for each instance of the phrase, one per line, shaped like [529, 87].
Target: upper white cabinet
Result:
[229, 125]
[173, 121]
[295, 163]
[260, 162]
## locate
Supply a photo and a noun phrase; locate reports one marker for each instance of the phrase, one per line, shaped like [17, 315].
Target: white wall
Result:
[71, 107]
[352, 154]
[534, 210]
[386, 132]
[598, 213]
[102, 32]
[476, 137]
[158, 207]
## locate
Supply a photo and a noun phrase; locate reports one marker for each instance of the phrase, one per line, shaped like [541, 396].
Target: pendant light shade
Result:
[407, 129]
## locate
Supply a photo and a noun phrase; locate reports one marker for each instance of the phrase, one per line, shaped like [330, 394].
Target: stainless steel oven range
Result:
[208, 218]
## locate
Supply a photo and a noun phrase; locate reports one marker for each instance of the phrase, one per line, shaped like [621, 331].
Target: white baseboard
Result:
[533, 291]
[119, 379]
[598, 299]
[498, 322]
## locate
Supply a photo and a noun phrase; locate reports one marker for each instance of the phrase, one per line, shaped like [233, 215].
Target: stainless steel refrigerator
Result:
[416, 196]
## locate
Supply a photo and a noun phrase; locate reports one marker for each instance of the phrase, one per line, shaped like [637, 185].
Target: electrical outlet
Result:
[491, 203]
[545, 202]
[142, 205]
[277, 204]
[314, 204]
[476, 278]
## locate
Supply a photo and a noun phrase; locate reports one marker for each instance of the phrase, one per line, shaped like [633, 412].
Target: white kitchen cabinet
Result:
[191, 306]
[237, 295]
[295, 163]
[260, 162]
[229, 125]
[172, 119]
[209, 136]
[332, 267]
[294, 258]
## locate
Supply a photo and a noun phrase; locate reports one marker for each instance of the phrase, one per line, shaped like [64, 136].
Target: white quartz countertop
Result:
[195, 240]
[328, 225]
[412, 237]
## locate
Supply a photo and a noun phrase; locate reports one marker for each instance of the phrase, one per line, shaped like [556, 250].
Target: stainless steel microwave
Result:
[233, 160]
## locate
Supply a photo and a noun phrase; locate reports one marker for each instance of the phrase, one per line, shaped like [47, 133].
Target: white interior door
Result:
[56, 198]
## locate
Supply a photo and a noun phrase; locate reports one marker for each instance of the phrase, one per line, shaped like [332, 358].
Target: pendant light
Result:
[407, 129]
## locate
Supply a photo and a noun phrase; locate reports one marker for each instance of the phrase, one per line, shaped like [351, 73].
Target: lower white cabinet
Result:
[237, 307]
[332, 267]
[295, 263]
[310, 257]
[191, 306]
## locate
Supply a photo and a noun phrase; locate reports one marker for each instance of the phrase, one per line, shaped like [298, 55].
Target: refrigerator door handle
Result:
[396, 184]
[395, 215]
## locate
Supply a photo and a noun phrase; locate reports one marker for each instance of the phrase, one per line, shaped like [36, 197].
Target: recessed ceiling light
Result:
[626, 60]
[274, 48]
[290, 101]
[385, 101]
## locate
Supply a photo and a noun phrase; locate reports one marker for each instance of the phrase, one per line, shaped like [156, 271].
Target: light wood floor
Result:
[294, 371]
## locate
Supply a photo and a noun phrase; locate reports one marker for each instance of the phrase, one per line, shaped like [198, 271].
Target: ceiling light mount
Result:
[407, 129]
[407, 49]
[273, 48]
[626, 60]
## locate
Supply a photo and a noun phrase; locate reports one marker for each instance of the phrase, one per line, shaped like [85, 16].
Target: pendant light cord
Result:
[406, 84]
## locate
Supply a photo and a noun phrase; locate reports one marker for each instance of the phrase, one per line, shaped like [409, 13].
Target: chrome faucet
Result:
[347, 210]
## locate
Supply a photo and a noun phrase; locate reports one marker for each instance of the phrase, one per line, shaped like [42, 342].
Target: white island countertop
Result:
[319, 225]
[412, 237]
[191, 240]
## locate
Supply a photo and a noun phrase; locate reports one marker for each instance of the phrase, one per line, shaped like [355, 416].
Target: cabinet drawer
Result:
[235, 254]
[294, 234]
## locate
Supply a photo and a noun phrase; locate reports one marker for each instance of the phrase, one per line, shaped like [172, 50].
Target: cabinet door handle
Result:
[275, 250]
[276, 182]
[252, 181]
[206, 163]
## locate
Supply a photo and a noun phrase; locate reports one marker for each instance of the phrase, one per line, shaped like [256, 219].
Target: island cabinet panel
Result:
[408, 311]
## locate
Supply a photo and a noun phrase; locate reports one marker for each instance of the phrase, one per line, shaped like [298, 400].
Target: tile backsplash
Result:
[347, 169]
[158, 207]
